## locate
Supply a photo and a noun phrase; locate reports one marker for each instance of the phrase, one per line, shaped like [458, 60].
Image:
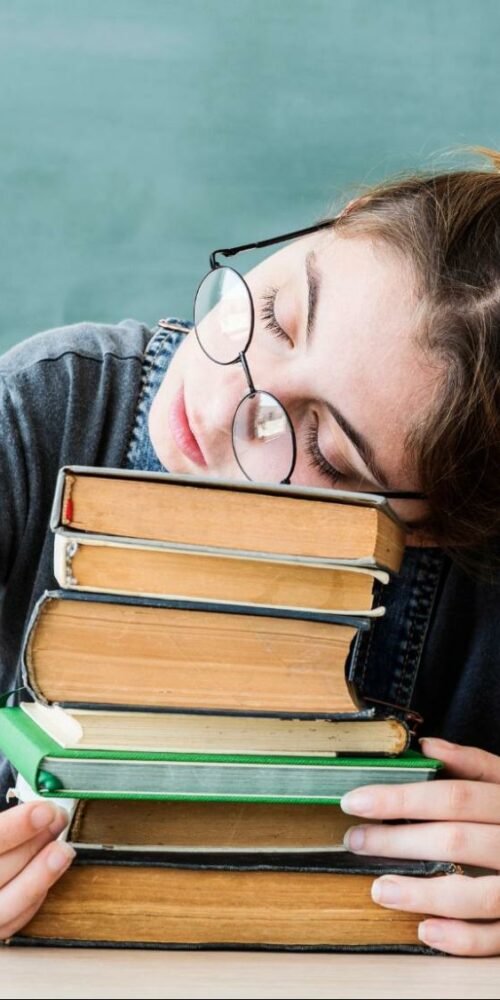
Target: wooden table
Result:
[87, 973]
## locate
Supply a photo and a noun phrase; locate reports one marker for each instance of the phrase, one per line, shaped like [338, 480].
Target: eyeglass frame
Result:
[214, 265]
[252, 391]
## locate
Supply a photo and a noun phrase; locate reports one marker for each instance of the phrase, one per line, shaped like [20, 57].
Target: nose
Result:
[286, 381]
[224, 388]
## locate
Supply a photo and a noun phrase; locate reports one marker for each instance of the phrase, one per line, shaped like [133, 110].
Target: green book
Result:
[53, 771]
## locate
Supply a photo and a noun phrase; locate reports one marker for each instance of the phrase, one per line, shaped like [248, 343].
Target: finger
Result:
[463, 761]
[470, 843]
[34, 880]
[21, 920]
[15, 860]
[458, 937]
[456, 799]
[443, 895]
[21, 823]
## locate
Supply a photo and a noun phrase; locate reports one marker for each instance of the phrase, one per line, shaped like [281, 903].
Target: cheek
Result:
[191, 366]
[191, 369]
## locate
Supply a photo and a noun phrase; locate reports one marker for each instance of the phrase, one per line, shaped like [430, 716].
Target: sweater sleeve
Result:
[67, 397]
[13, 485]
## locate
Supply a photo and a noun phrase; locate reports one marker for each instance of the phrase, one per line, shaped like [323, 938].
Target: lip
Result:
[181, 430]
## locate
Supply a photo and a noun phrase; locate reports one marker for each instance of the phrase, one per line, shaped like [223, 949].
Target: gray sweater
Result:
[68, 396]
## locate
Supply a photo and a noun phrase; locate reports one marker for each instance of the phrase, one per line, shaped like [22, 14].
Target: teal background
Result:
[138, 135]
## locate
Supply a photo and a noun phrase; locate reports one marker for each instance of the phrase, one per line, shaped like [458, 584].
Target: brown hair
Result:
[448, 226]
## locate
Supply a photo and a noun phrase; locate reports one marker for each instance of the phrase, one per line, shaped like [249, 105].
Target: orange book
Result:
[302, 523]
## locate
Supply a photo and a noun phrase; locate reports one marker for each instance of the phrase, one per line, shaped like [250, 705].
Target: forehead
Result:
[372, 366]
[370, 285]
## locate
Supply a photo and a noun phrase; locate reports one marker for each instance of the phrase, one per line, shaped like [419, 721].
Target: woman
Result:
[379, 338]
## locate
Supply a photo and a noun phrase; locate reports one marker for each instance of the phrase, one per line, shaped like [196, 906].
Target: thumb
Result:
[463, 761]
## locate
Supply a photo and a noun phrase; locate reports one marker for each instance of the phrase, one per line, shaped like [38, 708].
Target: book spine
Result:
[25, 745]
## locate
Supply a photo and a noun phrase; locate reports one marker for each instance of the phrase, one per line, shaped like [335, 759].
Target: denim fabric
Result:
[383, 661]
[167, 335]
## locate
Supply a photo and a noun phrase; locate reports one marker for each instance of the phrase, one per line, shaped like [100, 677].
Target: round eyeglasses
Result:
[262, 433]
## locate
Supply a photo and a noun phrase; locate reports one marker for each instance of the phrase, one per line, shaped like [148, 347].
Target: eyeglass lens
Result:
[263, 439]
[223, 315]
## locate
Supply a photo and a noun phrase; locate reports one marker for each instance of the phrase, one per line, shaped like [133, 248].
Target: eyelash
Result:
[317, 459]
[268, 317]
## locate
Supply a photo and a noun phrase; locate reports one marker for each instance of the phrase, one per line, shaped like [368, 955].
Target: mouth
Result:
[182, 433]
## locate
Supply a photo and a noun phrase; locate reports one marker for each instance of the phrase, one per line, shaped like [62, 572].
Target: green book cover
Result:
[54, 771]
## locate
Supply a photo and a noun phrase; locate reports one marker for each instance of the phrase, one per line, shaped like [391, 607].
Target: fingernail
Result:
[435, 743]
[60, 857]
[354, 838]
[429, 933]
[385, 890]
[60, 822]
[42, 815]
[358, 803]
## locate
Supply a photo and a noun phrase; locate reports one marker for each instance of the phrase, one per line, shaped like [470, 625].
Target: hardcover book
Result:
[295, 902]
[181, 732]
[55, 771]
[157, 825]
[236, 517]
[125, 673]
[106, 564]
[90, 650]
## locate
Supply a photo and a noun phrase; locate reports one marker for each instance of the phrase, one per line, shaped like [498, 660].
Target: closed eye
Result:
[268, 316]
[318, 460]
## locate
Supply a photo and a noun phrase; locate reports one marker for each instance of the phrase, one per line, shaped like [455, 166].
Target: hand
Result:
[29, 860]
[465, 827]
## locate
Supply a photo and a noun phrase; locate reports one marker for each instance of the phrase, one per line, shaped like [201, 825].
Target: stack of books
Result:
[188, 688]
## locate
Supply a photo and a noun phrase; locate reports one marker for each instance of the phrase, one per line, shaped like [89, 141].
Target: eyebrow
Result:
[362, 446]
[313, 285]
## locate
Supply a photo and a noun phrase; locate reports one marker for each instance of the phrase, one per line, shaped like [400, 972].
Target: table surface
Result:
[87, 973]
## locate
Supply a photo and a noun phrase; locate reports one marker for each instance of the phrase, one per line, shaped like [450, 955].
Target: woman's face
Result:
[353, 385]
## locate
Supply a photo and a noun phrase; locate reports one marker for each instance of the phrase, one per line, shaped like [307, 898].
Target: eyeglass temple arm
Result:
[231, 251]
[401, 494]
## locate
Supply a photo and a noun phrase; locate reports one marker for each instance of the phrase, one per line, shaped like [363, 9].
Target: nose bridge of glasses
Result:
[284, 377]
[244, 363]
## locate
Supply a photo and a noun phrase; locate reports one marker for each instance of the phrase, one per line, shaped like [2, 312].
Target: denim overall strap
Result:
[385, 660]
[167, 335]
